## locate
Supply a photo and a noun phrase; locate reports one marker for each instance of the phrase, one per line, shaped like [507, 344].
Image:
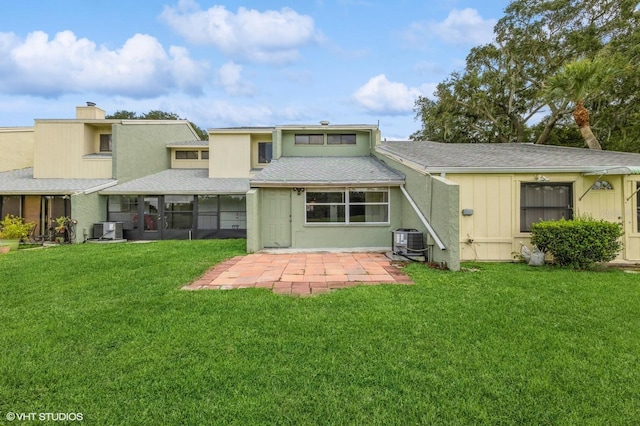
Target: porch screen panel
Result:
[233, 212]
[178, 211]
[123, 208]
[10, 204]
[208, 212]
[544, 201]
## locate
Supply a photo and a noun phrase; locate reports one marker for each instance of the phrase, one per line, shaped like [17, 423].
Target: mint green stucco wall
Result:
[254, 242]
[87, 209]
[141, 149]
[438, 200]
[364, 142]
[343, 236]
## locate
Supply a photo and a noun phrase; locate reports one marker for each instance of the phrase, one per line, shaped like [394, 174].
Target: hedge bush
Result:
[579, 243]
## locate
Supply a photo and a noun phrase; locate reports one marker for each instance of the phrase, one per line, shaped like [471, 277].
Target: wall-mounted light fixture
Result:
[298, 190]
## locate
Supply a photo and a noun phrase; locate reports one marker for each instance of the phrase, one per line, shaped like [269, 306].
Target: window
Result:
[264, 152]
[178, 211]
[544, 201]
[351, 206]
[204, 155]
[186, 155]
[105, 143]
[309, 139]
[346, 139]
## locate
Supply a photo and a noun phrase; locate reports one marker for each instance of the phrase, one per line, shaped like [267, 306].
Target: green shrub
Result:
[13, 228]
[579, 243]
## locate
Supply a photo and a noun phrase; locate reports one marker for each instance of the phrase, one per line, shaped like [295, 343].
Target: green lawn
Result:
[104, 330]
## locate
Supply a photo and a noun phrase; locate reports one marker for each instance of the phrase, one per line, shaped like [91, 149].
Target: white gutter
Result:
[98, 188]
[423, 219]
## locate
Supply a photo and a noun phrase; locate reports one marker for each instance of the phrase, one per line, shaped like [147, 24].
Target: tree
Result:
[157, 115]
[498, 96]
[576, 82]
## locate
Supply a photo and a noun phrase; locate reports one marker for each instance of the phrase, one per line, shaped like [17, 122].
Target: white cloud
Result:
[379, 95]
[40, 66]
[267, 37]
[460, 27]
[229, 76]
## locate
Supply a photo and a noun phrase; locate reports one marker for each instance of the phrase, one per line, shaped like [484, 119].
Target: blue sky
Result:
[236, 63]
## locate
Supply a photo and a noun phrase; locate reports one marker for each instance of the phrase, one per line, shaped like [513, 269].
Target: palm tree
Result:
[576, 82]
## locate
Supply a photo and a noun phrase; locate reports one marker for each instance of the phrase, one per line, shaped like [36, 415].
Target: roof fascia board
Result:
[323, 184]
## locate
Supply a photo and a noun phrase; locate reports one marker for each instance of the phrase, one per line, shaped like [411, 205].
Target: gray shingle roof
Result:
[21, 181]
[181, 181]
[327, 171]
[513, 157]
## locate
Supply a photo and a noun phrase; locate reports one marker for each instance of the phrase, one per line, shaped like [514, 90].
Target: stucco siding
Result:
[254, 242]
[140, 149]
[343, 236]
[438, 201]
[362, 146]
[87, 209]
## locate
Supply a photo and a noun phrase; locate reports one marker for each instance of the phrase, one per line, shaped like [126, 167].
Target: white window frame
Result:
[310, 205]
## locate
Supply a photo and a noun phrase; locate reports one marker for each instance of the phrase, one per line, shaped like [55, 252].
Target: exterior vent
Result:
[324, 122]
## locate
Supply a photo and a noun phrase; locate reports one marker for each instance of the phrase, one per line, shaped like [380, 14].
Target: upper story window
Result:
[309, 139]
[186, 155]
[204, 155]
[105, 143]
[265, 152]
[544, 201]
[344, 139]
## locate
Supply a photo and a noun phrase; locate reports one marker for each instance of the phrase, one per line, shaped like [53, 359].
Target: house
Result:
[315, 187]
[58, 167]
[506, 187]
[308, 187]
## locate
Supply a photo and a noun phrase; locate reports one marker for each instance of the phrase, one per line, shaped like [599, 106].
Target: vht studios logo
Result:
[51, 417]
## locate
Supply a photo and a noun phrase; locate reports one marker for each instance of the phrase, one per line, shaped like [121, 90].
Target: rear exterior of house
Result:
[506, 187]
[298, 187]
[318, 187]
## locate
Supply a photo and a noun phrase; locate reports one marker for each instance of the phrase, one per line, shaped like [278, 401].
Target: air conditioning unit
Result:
[408, 242]
[107, 230]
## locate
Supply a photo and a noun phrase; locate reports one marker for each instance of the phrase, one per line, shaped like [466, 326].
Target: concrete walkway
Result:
[301, 274]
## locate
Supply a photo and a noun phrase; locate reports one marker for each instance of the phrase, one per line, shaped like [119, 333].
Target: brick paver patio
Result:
[301, 274]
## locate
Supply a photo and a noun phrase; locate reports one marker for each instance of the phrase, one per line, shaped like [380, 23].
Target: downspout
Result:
[423, 219]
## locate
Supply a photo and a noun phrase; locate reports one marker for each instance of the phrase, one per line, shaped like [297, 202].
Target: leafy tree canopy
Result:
[156, 115]
[549, 58]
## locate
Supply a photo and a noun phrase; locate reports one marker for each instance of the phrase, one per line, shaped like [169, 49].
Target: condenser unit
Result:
[107, 230]
[408, 242]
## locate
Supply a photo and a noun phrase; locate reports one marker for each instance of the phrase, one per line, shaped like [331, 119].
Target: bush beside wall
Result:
[579, 243]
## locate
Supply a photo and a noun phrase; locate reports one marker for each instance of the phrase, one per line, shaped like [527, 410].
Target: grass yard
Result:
[104, 330]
